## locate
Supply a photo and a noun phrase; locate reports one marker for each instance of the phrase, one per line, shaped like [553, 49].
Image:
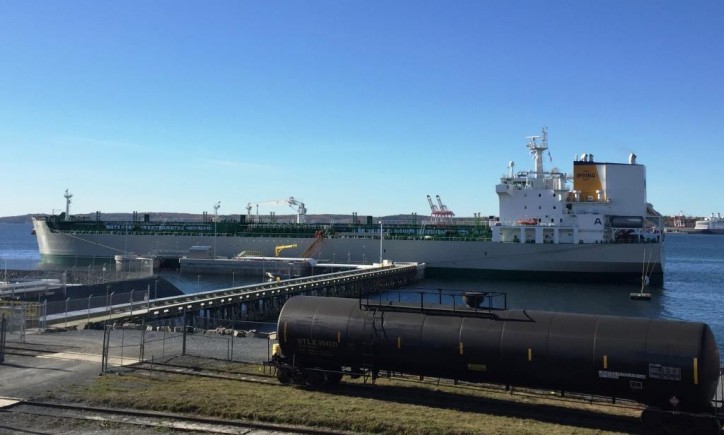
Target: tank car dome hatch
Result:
[473, 299]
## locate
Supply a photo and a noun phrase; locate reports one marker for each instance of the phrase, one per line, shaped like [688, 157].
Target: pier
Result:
[31, 287]
[251, 302]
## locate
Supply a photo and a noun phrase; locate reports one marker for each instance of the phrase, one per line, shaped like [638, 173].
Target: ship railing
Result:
[415, 237]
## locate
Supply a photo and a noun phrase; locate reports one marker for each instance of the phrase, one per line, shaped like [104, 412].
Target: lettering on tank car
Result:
[658, 371]
[607, 374]
[313, 346]
[477, 367]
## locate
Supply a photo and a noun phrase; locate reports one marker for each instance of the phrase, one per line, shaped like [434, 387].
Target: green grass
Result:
[390, 406]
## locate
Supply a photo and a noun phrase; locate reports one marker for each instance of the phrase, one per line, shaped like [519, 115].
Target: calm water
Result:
[692, 286]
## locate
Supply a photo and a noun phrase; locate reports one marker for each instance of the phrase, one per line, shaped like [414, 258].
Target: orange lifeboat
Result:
[530, 221]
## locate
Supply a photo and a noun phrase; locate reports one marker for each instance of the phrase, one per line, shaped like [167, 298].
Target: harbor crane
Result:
[295, 204]
[443, 208]
[439, 212]
[433, 207]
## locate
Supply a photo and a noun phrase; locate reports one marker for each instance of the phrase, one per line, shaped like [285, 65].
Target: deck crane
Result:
[279, 248]
[295, 204]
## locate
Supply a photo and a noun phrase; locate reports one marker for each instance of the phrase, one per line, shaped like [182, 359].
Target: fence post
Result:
[89, 299]
[3, 328]
[66, 312]
[45, 314]
[231, 351]
[143, 339]
[104, 352]
[24, 316]
[123, 342]
[183, 345]
[110, 305]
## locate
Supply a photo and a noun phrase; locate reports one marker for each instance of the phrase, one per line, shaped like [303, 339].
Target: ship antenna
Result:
[537, 150]
[67, 196]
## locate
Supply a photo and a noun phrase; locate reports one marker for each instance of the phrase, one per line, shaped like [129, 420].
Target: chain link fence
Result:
[17, 316]
[91, 306]
[74, 275]
[14, 317]
[161, 340]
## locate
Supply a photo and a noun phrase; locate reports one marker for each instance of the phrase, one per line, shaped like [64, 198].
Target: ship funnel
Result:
[632, 159]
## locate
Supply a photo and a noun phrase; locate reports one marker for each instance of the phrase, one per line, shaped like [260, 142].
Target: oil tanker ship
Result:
[600, 230]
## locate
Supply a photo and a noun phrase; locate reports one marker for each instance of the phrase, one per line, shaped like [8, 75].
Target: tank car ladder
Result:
[369, 328]
[718, 401]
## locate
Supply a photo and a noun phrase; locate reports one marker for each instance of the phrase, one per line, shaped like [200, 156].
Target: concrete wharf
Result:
[250, 302]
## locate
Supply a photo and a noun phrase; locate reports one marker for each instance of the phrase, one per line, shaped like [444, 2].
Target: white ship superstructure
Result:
[607, 204]
[710, 225]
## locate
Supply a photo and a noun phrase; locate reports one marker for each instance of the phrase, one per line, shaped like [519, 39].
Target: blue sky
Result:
[348, 106]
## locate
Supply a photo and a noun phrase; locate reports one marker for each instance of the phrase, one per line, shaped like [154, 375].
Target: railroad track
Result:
[135, 420]
[27, 351]
[198, 371]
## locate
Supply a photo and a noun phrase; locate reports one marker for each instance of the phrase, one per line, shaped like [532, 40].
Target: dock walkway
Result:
[346, 283]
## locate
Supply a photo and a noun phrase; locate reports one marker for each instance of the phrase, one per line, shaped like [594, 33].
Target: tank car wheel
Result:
[663, 422]
[283, 377]
[315, 377]
[653, 421]
[705, 424]
[335, 376]
[355, 373]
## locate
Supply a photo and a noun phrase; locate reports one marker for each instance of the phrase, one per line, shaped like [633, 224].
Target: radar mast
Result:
[67, 196]
[537, 150]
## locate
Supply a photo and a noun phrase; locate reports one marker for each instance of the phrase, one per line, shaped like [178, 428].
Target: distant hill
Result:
[22, 219]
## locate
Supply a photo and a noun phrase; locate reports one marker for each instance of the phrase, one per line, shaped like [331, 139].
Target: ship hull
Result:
[708, 231]
[606, 262]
